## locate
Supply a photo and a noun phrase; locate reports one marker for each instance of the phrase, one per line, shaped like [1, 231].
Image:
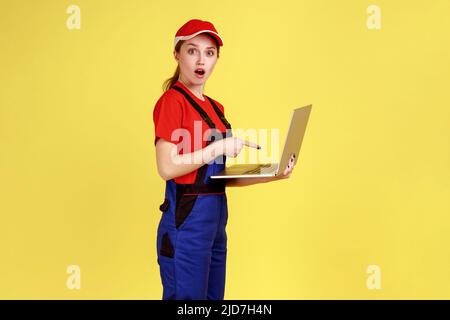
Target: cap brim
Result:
[215, 35]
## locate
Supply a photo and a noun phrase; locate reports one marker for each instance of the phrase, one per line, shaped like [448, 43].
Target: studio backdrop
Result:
[364, 215]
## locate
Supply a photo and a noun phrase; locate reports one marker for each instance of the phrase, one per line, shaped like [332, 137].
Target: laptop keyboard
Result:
[258, 169]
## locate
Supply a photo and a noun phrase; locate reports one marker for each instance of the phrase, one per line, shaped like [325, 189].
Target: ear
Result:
[175, 55]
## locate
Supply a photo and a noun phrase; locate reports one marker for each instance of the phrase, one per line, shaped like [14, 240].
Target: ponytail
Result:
[171, 81]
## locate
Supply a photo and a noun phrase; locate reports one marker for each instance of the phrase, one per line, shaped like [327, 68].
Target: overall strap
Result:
[199, 109]
[219, 114]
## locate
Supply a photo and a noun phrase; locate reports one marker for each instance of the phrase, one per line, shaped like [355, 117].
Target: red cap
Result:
[194, 27]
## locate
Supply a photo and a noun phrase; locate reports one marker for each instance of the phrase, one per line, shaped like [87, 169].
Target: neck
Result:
[197, 90]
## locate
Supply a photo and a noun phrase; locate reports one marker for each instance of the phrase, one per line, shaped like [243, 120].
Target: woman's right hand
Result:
[232, 146]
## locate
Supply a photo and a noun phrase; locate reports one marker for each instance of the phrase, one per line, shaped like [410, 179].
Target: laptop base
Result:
[254, 170]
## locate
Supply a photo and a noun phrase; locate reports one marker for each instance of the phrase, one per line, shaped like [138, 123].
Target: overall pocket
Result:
[166, 249]
[165, 205]
[184, 207]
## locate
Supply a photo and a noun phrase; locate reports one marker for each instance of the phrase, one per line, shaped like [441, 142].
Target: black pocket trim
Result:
[184, 208]
[165, 205]
[167, 249]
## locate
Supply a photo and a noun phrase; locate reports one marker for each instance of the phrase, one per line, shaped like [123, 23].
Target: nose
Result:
[200, 59]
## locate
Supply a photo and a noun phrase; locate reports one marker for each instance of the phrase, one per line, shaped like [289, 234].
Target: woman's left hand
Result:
[239, 182]
[288, 170]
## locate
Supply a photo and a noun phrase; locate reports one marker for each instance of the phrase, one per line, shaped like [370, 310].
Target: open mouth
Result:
[200, 71]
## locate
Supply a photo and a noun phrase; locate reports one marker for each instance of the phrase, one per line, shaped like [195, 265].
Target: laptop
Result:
[292, 145]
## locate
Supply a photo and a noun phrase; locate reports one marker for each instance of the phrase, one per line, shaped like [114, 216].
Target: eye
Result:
[211, 53]
[191, 50]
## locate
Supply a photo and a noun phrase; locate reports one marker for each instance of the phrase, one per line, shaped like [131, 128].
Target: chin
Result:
[198, 82]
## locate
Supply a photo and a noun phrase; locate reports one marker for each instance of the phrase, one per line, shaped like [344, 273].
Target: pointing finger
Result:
[251, 144]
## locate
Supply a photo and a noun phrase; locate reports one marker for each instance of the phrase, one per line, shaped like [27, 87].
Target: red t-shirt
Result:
[173, 111]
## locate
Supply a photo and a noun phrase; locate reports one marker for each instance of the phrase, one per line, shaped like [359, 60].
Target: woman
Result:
[191, 240]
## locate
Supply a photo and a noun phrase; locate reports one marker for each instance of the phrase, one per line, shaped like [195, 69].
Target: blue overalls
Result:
[191, 240]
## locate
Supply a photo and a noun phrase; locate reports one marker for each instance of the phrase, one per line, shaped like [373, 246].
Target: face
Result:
[197, 58]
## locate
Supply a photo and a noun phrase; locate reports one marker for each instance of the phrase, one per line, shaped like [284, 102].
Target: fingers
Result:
[251, 144]
[234, 145]
[291, 161]
[290, 166]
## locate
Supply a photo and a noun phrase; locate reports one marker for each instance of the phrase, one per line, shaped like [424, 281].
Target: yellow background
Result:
[79, 184]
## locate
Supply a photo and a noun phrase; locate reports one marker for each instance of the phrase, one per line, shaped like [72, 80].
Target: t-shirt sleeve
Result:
[167, 117]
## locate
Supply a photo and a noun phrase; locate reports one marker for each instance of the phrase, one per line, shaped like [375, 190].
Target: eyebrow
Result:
[197, 46]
